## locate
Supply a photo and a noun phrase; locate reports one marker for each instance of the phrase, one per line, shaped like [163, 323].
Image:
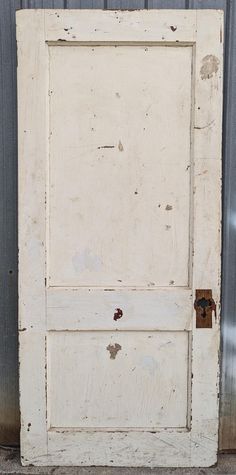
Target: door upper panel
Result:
[120, 165]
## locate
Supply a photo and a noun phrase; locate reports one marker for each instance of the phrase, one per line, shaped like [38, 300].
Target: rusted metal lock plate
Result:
[204, 306]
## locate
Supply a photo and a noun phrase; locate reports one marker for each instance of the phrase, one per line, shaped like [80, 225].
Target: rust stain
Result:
[204, 306]
[113, 350]
[210, 66]
[118, 314]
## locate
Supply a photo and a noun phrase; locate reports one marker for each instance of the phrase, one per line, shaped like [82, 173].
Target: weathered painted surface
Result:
[124, 223]
[9, 408]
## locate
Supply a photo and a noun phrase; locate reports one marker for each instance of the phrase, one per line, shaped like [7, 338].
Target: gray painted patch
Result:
[210, 66]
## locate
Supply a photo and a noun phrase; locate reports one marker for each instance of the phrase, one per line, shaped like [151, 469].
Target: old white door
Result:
[119, 217]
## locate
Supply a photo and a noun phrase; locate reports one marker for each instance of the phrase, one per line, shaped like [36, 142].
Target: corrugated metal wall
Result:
[9, 409]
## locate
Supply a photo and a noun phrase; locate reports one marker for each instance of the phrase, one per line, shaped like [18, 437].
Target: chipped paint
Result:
[113, 349]
[118, 314]
[120, 146]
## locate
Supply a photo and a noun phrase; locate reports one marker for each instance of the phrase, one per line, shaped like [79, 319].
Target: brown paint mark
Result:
[173, 28]
[204, 306]
[169, 207]
[106, 146]
[113, 350]
[120, 146]
[118, 314]
[210, 66]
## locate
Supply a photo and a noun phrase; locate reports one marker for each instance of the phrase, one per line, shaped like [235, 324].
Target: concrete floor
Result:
[10, 464]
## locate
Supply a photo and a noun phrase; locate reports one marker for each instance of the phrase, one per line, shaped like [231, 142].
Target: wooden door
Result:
[119, 218]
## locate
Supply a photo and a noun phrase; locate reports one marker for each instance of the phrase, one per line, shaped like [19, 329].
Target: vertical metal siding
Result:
[167, 4]
[228, 374]
[84, 4]
[9, 410]
[125, 4]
